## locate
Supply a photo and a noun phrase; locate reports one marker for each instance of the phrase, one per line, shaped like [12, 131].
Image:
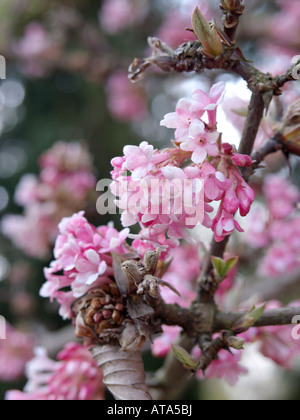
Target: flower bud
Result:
[207, 34]
[235, 342]
[232, 5]
[247, 321]
[131, 340]
[151, 261]
[290, 127]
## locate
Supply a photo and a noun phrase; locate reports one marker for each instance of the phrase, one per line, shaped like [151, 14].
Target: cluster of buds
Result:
[121, 312]
[143, 276]
[100, 312]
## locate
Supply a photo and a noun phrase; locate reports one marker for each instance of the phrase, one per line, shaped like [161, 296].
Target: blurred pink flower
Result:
[126, 101]
[227, 366]
[15, 352]
[117, 15]
[62, 188]
[74, 377]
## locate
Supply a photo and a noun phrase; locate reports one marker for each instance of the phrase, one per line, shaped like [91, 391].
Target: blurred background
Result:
[67, 82]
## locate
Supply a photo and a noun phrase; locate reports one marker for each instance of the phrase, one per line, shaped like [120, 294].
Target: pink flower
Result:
[187, 110]
[163, 344]
[201, 142]
[63, 187]
[15, 352]
[257, 233]
[227, 366]
[211, 102]
[117, 15]
[35, 41]
[224, 225]
[282, 196]
[74, 377]
[82, 254]
[126, 101]
[192, 109]
[141, 160]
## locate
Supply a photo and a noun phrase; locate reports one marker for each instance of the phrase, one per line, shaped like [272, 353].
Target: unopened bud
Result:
[131, 340]
[132, 272]
[151, 261]
[232, 5]
[290, 127]
[247, 321]
[207, 34]
[235, 342]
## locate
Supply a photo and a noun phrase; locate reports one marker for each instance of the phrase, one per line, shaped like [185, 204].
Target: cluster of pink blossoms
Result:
[278, 228]
[36, 49]
[82, 260]
[142, 177]
[65, 183]
[15, 352]
[74, 377]
[126, 101]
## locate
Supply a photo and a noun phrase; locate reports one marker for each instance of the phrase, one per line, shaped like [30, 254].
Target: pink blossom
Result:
[211, 102]
[282, 196]
[141, 160]
[224, 225]
[82, 253]
[227, 366]
[192, 109]
[126, 101]
[15, 352]
[201, 142]
[63, 187]
[117, 15]
[74, 377]
[163, 344]
[257, 233]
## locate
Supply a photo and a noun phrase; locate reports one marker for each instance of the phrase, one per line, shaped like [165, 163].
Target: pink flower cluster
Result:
[142, 177]
[126, 101]
[74, 377]
[82, 260]
[37, 49]
[117, 15]
[186, 265]
[15, 352]
[276, 342]
[63, 187]
[277, 228]
[284, 25]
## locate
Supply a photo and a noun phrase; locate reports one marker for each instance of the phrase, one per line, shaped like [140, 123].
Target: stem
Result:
[255, 115]
[282, 316]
